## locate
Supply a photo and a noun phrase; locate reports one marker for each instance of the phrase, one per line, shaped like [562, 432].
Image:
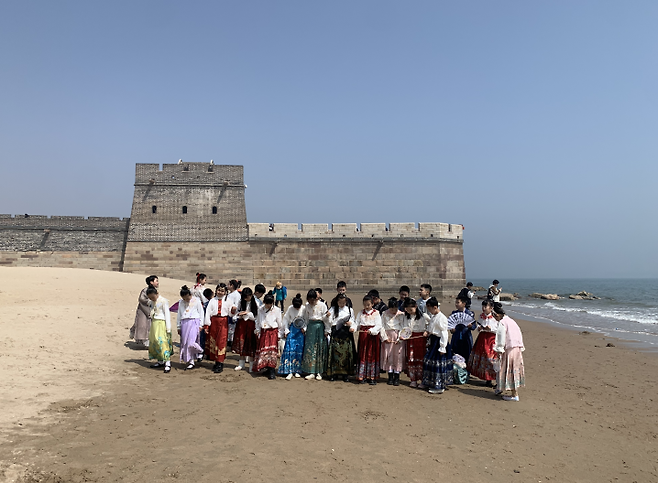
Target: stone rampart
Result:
[443, 231]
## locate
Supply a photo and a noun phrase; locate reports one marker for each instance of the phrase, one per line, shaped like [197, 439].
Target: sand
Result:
[79, 403]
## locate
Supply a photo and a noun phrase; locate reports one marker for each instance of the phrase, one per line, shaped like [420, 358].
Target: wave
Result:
[640, 317]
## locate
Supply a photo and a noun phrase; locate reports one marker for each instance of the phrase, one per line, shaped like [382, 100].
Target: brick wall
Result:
[304, 264]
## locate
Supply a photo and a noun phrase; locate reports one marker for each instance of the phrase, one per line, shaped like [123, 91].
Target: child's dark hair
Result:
[312, 295]
[200, 276]
[469, 284]
[236, 284]
[253, 306]
[409, 302]
[151, 291]
[319, 291]
[392, 303]
[404, 288]
[268, 299]
[427, 286]
[367, 298]
[495, 282]
[498, 308]
[432, 302]
[297, 302]
[185, 290]
[341, 284]
[487, 303]
[260, 288]
[374, 293]
[220, 285]
[208, 293]
[334, 303]
[463, 298]
[150, 279]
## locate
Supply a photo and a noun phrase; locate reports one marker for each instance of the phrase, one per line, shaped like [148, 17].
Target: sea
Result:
[627, 308]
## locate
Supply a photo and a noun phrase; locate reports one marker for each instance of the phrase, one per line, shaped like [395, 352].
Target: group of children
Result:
[313, 338]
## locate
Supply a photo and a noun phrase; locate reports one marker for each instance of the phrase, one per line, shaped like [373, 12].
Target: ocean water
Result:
[628, 308]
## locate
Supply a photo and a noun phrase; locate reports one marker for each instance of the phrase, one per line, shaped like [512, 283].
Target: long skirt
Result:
[437, 366]
[293, 351]
[416, 347]
[481, 362]
[189, 335]
[160, 346]
[342, 353]
[512, 372]
[216, 339]
[369, 355]
[245, 340]
[393, 355]
[267, 351]
[140, 329]
[315, 348]
[462, 341]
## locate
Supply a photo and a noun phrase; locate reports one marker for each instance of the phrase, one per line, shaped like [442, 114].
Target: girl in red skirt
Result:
[268, 322]
[244, 340]
[481, 360]
[216, 328]
[369, 325]
[416, 344]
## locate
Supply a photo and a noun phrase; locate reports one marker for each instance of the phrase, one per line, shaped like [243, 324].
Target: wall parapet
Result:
[201, 174]
[363, 231]
[68, 223]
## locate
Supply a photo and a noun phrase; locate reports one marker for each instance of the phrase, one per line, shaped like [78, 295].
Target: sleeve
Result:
[382, 332]
[259, 322]
[377, 328]
[428, 324]
[165, 307]
[249, 316]
[199, 307]
[179, 318]
[443, 330]
[279, 320]
[285, 292]
[326, 320]
[144, 303]
[501, 334]
[357, 322]
[209, 311]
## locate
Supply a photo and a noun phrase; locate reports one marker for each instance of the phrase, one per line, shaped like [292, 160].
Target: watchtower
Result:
[188, 202]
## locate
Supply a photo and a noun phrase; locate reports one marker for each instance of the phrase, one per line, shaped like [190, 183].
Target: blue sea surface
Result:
[628, 308]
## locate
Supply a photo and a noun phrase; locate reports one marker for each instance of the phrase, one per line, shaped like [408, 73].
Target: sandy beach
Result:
[81, 404]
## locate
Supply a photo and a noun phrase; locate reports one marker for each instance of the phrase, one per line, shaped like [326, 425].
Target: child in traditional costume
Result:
[190, 321]
[416, 342]
[509, 346]
[160, 345]
[291, 332]
[140, 329]
[342, 351]
[393, 348]
[315, 329]
[259, 291]
[245, 341]
[268, 323]
[483, 356]
[437, 365]
[216, 328]
[369, 325]
[234, 296]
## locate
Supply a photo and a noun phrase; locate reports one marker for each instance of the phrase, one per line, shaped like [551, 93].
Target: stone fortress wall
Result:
[191, 217]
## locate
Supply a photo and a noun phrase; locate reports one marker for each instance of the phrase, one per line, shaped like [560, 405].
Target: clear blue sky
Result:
[534, 124]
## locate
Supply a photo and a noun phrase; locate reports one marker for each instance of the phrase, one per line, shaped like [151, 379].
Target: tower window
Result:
[185, 210]
[214, 210]
[154, 209]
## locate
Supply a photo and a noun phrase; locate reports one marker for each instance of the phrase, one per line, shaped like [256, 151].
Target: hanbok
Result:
[369, 325]
[215, 348]
[437, 364]
[293, 350]
[483, 356]
[342, 350]
[509, 344]
[268, 323]
[315, 344]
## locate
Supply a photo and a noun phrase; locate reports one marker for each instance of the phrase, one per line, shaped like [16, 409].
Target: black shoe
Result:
[362, 381]
[332, 378]
[488, 384]
[215, 368]
[390, 379]
[396, 379]
[167, 369]
[346, 378]
[271, 374]
[372, 382]
[220, 367]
